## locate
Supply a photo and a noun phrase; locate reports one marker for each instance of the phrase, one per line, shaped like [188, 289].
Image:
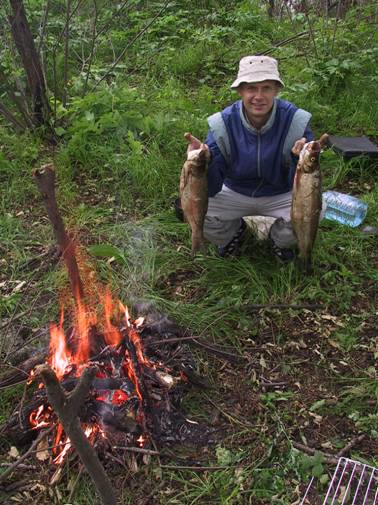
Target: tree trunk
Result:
[24, 42]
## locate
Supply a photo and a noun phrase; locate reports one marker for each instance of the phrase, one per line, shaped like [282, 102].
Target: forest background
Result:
[122, 83]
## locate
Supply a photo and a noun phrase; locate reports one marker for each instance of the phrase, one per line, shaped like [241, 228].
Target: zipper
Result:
[258, 164]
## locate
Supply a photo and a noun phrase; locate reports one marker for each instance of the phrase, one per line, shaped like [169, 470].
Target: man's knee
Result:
[282, 234]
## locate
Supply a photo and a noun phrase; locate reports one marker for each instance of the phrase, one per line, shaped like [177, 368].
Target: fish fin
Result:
[185, 171]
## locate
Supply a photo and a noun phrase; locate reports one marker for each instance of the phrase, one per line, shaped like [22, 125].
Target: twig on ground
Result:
[41, 436]
[350, 445]
[236, 420]
[197, 468]
[194, 339]
[258, 306]
[328, 458]
[138, 449]
[75, 483]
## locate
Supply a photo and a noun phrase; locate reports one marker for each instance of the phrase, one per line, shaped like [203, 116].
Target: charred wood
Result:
[67, 408]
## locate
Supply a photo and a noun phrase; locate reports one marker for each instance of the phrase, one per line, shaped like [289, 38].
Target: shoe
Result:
[233, 247]
[284, 255]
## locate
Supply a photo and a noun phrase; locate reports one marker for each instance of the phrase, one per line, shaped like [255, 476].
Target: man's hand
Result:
[194, 144]
[298, 146]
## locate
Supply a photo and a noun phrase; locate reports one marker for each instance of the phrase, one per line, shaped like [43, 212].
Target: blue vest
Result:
[255, 162]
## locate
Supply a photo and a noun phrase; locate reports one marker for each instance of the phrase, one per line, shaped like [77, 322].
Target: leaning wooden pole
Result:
[66, 407]
[45, 179]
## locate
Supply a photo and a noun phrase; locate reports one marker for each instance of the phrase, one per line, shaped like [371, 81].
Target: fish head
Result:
[309, 157]
[199, 158]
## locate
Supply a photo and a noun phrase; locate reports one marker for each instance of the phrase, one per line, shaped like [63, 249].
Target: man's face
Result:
[258, 98]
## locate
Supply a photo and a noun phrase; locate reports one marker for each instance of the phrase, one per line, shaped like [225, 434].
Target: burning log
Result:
[45, 179]
[67, 408]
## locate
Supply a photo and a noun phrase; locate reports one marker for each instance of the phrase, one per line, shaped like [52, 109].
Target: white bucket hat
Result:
[257, 69]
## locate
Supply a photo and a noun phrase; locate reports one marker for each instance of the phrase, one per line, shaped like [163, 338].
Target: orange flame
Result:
[111, 333]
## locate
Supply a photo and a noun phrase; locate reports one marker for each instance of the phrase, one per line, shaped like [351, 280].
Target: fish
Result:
[306, 204]
[194, 192]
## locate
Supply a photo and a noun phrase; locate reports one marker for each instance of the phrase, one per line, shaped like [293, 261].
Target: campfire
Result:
[108, 383]
[132, 394]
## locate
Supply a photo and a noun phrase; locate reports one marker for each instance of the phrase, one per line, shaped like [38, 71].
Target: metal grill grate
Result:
[353, 483]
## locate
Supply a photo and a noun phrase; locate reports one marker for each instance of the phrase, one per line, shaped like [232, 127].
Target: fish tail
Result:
[305, 264]
[196, 244]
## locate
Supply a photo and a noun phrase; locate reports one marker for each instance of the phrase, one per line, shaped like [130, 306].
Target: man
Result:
[254, 144]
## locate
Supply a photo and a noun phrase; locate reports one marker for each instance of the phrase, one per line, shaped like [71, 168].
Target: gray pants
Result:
[227, 207]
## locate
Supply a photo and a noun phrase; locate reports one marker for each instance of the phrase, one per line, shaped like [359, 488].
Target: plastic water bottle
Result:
[344, 209]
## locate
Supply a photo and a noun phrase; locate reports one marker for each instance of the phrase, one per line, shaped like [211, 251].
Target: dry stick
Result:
[74, 485]
[351, 444]
[67, 407]
[244, 423]
[197, 468]
[139, 34]
[223, 354]
[21, 372]
[45, 179]
[11, 118]
[328, 458]
[309, 306]
[284, 42]
[138, 450]
[41, 436]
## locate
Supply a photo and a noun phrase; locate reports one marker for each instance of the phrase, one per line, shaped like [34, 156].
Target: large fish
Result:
[307, 200]
[193, 191]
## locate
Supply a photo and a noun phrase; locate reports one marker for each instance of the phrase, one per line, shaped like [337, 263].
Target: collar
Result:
[266, 126]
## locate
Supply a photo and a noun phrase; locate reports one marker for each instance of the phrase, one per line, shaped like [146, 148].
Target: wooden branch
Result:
[139, 34]
[8, 471]
[194, 340]
[11, 118]
[21, 373]
[350, 445]
[198, 468]
[66, 408]
[24, 42]
[328, 458]
[45, 179]
[139, 450]
[285, 41]
[257, 306]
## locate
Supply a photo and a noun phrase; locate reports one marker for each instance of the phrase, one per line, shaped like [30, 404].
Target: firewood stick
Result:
[45, 179]
[66, 408]
[14, 465]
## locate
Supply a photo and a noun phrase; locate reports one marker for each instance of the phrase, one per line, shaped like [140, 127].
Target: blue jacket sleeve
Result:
[309, 136]
[217, 166]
